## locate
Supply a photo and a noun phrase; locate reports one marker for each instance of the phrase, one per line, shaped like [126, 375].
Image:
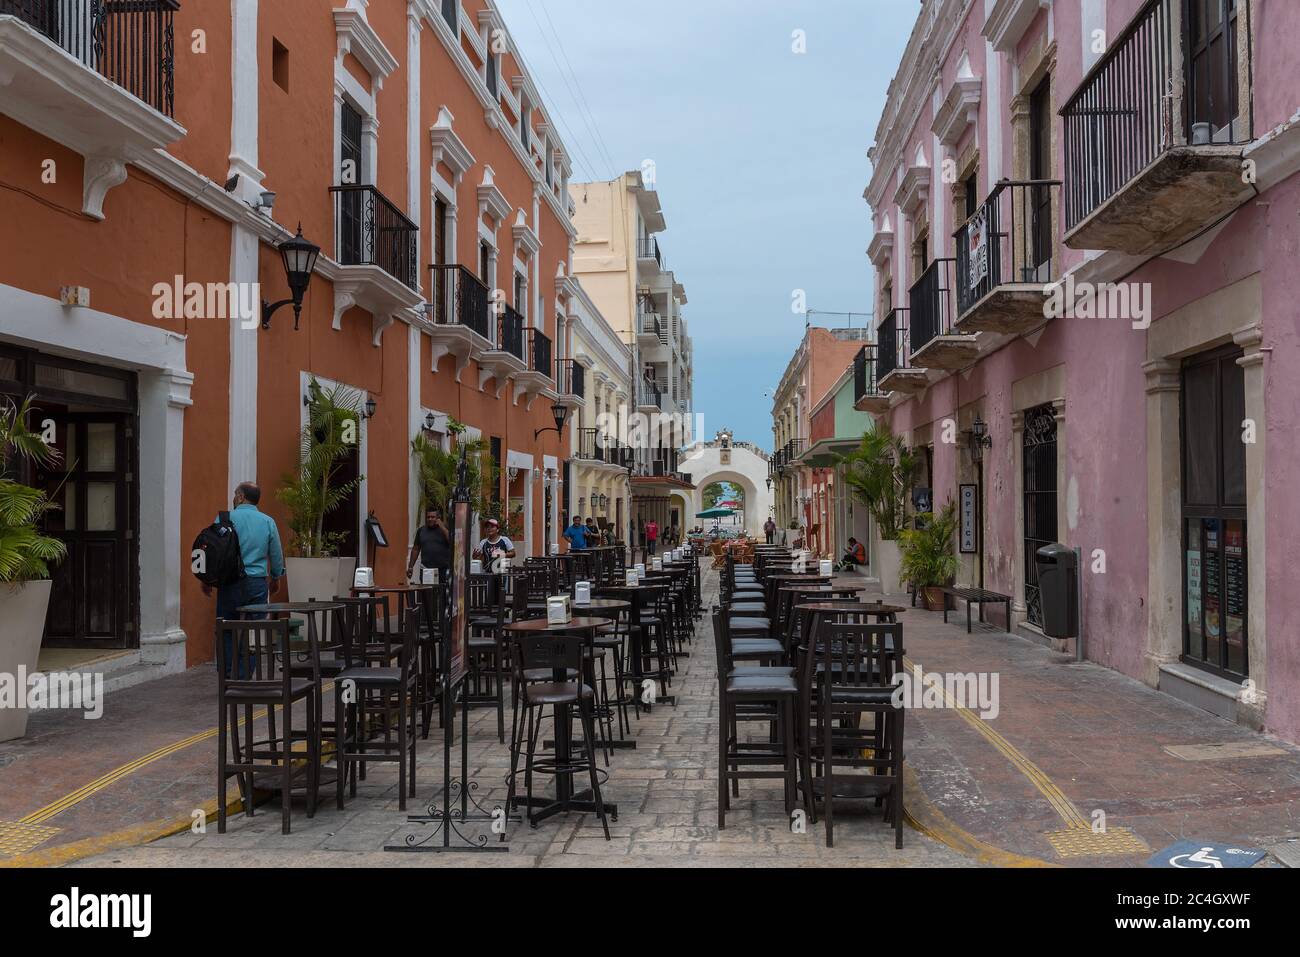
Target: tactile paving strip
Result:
[17, 838]
[1085, 842]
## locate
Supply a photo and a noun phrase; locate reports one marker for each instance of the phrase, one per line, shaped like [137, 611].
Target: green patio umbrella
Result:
[715, 513]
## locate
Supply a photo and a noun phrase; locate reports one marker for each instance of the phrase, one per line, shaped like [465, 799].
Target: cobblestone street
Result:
[665, 789]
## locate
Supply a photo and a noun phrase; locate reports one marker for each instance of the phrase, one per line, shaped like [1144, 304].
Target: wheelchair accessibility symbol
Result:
[1202, 858]
[1197, 855]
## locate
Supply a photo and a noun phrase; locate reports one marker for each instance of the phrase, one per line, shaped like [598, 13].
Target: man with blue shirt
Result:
[259, 545]
[576, 535]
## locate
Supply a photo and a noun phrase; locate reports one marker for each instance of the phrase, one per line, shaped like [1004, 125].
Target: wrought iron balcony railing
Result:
[1127, 110]
[648, 394]
[864, 374]
[931, 304]
[893, 352]
[539, 352]
[460, 299]
[650, 324]
[1010, 239]
[510, 332]
[595, 446]
[648, 248]
[663, 461]
[371, 231]
[570, 378]
[128, 42]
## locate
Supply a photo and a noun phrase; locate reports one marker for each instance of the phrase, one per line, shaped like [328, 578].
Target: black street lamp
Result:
[979, 439]
[370, 408]
[299, 257]
[561, 415]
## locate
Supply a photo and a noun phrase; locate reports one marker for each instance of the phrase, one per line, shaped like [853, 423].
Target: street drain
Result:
[1223, 752]
[1085, 842]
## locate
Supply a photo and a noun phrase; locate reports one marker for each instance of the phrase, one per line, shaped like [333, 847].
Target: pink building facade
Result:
[1085, 252]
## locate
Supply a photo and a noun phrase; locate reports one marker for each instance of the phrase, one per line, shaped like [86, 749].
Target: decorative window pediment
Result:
[357, 37]
[490, 199]
[1008, 21]
[448, 147]
[961, 107]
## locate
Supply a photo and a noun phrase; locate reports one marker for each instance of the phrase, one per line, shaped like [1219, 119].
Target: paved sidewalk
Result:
[1022, 788]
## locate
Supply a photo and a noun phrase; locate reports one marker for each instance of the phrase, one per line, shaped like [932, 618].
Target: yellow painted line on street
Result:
[106, 780]
[133, 836]
[112, 777]
[922, 815]
[1063, 806]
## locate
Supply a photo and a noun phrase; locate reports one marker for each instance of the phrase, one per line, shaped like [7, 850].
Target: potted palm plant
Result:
[436, 468]
[880, 474]
[25, 558]
[928, 560]
[332, 431]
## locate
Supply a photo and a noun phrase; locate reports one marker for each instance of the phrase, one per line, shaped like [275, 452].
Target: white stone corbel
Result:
[101, 174]
[343, 301]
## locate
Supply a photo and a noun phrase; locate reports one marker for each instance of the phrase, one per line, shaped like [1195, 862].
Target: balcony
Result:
[663, 462]
[648, 396]
[570, 382]
[867, 396]
[1153, 134]
[894, 372]
[935, 344]
[94, 75]
[506, 359]
[650, 329]
[458, 316]
[375, 245]
[649, 260]
[595, 449]
[1006, 259]
[536, 378]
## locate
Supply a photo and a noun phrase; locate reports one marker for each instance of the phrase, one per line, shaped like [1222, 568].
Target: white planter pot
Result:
[319, 578]
[886, 562]
[22, 623]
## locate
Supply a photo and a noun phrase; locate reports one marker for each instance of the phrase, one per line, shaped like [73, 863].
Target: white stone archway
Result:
[742, 465]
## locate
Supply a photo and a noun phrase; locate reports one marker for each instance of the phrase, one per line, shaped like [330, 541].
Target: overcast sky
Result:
[760, 156]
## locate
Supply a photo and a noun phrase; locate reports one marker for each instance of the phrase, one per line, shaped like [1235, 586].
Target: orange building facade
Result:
[139, 151]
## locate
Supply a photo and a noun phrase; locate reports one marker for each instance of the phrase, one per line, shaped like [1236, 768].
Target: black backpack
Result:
[216, 558]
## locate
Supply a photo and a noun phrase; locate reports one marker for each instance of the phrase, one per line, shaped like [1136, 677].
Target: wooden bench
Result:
[977, 596]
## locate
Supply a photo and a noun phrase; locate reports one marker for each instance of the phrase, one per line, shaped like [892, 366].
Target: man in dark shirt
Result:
[432, 546]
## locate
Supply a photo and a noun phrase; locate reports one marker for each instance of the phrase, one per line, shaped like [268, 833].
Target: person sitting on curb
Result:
[854, 557]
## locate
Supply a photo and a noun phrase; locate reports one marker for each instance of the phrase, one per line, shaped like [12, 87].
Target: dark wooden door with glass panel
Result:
[1212, 66]
[88, 413]
[352, 223]
[1215, 582]
[93, 489]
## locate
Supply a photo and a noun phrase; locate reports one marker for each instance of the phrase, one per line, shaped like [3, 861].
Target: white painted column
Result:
[414, 187]
[164, 397]
[994, 118]
[244, 244]
[415, 423]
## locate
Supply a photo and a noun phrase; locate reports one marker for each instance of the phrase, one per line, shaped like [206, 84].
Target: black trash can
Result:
[1058, 590]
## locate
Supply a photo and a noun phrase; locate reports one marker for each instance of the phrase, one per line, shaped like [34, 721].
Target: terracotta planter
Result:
[933, 597]
[22, 623]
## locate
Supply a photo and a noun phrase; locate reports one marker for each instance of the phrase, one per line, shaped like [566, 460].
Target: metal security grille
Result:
[1039, 454]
